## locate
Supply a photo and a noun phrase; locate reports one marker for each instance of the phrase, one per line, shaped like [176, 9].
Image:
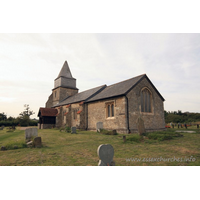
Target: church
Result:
[117, 106]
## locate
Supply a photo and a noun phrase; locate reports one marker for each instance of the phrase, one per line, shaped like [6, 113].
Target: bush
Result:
[66, 129]
[161, 136]
[12, 145]
[106, 132]
[135, 138]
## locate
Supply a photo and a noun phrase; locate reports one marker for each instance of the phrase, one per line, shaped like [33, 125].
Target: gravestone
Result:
[106, 154]
[30, 132]
[37, 142]
[2, 127]
[99, 125]
[124, 138]
[73, 129]
[140, 126]
[3, 148]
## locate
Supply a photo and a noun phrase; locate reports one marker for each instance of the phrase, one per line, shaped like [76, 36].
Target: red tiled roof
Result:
[49, 112]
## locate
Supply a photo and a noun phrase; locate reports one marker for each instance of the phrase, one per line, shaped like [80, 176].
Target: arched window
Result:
[112, 110]
[146, 101]
[108, 110]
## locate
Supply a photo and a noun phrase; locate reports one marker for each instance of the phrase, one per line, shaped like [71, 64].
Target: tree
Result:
[24, 118]
[3, 116]
[27, 112]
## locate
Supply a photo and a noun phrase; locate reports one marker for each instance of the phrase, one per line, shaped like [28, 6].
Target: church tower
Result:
[64, 86]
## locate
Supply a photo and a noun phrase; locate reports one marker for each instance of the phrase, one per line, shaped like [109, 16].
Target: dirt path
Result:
[24, 128]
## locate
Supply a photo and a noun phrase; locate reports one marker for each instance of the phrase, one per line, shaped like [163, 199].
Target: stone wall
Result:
[66, 116]
[49, 102]
[62, 93]
[152, 121]
[97, 113]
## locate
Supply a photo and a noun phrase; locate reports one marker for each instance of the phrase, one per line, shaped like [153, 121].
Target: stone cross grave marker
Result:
[30, 132]
[73, 129]
[106, 154]
[99, 126]
[140, 126]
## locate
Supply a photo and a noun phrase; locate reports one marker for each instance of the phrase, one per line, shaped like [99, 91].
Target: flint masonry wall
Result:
[66, 116]
[62, 93]
[49, 102]
[97, 113]
[152, 121]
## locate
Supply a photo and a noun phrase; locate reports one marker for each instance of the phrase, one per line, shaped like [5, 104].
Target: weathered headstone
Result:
[106, 154]
[140, 126]
[99, 125]
[3, 148]
[37, 142]
[124, 138]
[2, 127]
[73, 129]
[30, 133]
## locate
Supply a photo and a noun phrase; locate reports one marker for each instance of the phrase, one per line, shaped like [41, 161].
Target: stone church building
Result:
[118, 106]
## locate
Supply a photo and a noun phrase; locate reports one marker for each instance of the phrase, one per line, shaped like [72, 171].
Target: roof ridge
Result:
[126, 80]
[91, 89]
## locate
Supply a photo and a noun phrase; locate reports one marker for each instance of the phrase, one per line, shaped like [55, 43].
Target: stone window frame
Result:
[147, 108]
[108, 109]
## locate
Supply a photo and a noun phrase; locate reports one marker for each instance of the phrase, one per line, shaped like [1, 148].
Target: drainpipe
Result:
[86, 116]
[127, 114]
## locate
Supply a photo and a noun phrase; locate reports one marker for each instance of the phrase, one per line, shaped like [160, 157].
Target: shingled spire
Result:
[65, 71]
[64, 85]
[65, 78]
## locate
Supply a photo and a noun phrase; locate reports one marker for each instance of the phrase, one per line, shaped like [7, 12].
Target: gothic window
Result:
[146, 101]
[110, 109]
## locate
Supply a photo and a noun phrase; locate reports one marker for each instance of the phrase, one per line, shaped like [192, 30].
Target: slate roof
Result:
[82, 96]
[50, 112]
[65, 71]
[117, 89]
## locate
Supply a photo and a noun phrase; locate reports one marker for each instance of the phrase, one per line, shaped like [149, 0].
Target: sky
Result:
[30, 63]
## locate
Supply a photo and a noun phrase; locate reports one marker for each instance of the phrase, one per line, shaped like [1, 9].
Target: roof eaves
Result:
[104, 98]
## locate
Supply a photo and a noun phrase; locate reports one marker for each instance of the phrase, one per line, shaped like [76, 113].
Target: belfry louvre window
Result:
[146, 101]
[110, 109]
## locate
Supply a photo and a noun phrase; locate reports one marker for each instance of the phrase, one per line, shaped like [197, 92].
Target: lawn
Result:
[66, 149]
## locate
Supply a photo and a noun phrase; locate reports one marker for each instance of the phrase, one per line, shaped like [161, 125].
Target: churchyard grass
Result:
[65, 149]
